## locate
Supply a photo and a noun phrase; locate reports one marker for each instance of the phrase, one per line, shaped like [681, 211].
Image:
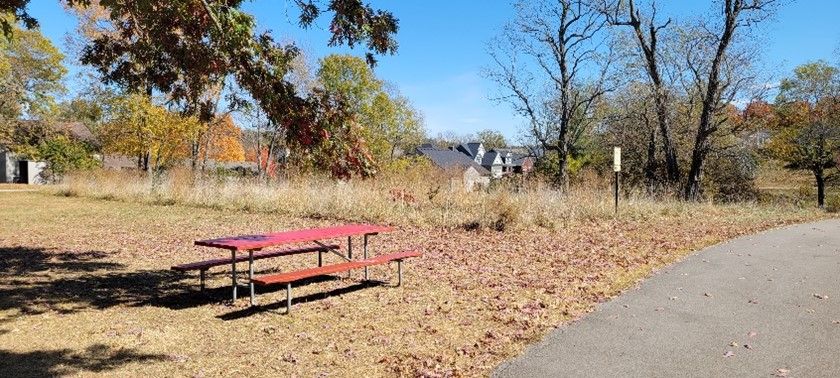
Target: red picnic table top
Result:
[249, 242]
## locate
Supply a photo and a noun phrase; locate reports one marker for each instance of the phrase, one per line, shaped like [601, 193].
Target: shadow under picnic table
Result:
[277, 303]
[35, 280]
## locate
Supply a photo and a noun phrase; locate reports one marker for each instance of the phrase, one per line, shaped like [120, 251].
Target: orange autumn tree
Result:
[222, 142]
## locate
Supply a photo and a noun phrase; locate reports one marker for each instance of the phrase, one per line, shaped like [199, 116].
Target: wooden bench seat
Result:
[203, 266]
[290, 277]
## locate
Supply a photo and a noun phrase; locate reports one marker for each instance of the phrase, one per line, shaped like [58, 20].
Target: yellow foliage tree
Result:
[156, 136]
[223, 141]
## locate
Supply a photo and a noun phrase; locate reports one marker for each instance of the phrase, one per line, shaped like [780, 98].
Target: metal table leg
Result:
[251, 275]
[233, 272]
[349, 252]
[202, 277]
[288, 298]
[365, 252]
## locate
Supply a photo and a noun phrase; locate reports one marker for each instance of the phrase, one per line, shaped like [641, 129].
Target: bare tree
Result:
[552, 63]
[631, 124]
[715, 90]
[646, 33]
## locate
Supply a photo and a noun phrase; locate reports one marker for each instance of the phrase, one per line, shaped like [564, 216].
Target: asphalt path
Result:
[758, 306]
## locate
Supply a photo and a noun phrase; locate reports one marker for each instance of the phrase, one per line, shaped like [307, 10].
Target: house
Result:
[515, 160]
[499, 161]
[459, 164]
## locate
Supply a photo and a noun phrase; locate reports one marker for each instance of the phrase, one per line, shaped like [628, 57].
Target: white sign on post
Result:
[617, 159]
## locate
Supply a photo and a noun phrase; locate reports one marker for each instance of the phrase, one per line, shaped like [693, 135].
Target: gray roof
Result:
[469, 148]
[76, 130]
[488, 158]
[447, 159]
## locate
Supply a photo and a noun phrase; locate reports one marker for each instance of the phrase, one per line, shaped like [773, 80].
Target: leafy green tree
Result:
[17, 11]
[351, 78]
[491, 139]
[398, 124]
[64, 155]
[388, 122]
[30, 75]
[808, 133]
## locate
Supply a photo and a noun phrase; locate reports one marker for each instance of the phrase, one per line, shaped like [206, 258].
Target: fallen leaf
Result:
[752, 334]
[729, 353]
[707, 294]
[748, 346]
[734, 343]
[177, 358]
[821, 296]
[752, 301]
[781, 372]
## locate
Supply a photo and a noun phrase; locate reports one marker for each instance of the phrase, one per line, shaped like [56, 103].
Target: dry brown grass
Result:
[85, 286]
[4, 186]
[423, 198]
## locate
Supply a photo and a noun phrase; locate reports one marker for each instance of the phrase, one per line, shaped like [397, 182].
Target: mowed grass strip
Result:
[85, 288]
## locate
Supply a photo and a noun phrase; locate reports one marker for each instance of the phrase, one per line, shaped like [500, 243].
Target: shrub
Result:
[832, 204]
[731, 176]
[63, 155]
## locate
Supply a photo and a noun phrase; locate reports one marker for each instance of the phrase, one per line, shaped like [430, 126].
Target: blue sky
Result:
[443, 49]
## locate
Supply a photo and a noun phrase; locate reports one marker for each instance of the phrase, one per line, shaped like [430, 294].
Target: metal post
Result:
[251, 274]
[616, 192]
[233, 271]
[365, 252]
[349, 251]
[399, 272]
[288, 298]
[201, 277]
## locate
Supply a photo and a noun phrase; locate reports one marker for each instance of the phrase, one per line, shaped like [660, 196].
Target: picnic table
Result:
[254, 244]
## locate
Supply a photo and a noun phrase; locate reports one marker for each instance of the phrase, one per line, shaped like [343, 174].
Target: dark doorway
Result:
[23, 172]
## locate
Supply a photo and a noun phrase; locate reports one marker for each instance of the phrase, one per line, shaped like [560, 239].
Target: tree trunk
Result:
[146, 166]
[561, 177]
[672, 167]
[692, 187]
[650, 165]
[818, 174]
[710, 101]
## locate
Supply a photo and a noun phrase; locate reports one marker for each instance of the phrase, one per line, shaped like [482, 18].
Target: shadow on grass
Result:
[279, 304]
[37, 280]
[97, 358]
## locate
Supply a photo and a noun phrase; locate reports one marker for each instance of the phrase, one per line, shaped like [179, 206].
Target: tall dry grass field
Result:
[423, 197]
